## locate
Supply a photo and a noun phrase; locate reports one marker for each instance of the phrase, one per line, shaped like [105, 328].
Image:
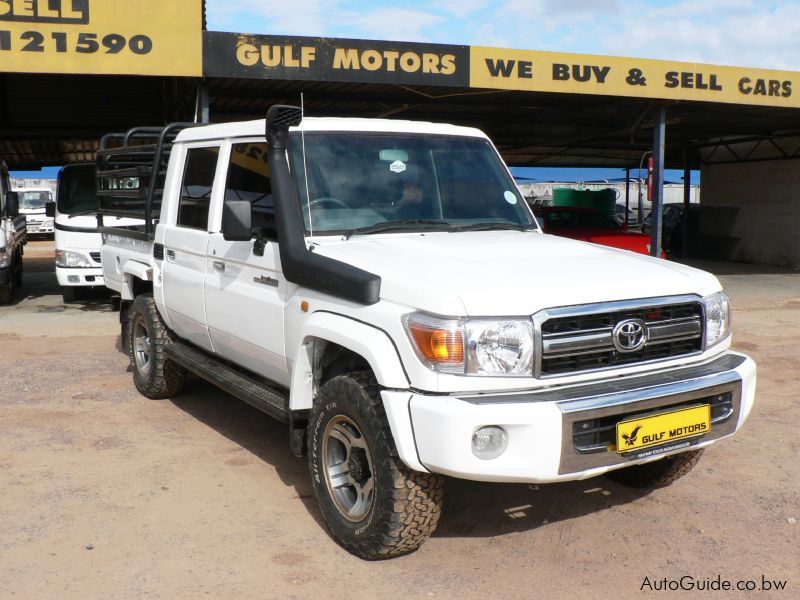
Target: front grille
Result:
[95, 256]
[581, 339]
[599, 435]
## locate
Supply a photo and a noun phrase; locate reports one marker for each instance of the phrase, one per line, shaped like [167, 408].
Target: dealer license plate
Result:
[664, 428]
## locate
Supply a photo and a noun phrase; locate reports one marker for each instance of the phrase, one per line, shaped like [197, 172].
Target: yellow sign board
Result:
[663, 428]
[134, 37]
[496, 68]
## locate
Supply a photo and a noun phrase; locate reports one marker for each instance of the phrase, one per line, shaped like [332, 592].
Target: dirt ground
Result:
[108, 494]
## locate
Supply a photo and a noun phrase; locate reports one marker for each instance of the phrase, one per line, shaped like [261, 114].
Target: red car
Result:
[591, 225]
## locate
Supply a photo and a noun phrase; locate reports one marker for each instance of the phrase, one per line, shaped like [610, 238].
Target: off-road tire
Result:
[68, 294]
[406, 504]
[19, 274]
[659, 473]
[162, 378]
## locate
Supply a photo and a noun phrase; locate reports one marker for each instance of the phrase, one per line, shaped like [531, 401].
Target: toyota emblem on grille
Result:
[629, 335]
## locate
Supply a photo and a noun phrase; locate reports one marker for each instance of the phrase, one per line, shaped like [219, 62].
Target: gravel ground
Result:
[108, 494]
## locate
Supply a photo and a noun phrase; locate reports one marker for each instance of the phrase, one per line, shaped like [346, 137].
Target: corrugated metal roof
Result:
[52, 120]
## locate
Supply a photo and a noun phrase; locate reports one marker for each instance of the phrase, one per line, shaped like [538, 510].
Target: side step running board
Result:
[255, 392]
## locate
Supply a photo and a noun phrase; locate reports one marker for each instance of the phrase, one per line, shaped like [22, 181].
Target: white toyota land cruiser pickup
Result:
[383, 288]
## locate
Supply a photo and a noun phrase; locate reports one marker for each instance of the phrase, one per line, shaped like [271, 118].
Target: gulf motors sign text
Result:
[326, 59]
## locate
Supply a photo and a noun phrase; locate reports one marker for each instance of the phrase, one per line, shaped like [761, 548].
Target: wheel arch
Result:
[333, 344]
[137, 280]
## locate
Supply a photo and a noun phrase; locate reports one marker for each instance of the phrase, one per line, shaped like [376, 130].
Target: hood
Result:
[507, 273]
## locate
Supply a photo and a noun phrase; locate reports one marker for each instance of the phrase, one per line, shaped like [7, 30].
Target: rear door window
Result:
[198, 180]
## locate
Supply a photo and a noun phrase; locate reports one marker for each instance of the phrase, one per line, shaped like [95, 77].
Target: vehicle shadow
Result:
[472, 509]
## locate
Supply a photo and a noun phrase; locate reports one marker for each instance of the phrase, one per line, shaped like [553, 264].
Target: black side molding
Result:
[299, 264]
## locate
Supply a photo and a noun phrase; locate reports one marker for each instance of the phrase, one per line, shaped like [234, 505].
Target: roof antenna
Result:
[305, 169]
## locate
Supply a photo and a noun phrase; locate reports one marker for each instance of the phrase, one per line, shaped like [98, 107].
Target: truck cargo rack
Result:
[131, 170]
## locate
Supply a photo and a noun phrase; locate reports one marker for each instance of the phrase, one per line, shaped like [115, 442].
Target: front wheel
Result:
[374, 505]
[154, 375]
[7, 292]
[659, 473]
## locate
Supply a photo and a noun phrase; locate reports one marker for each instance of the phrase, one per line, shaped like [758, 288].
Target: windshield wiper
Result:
[409, 224]
[82, 213]
[494, 225]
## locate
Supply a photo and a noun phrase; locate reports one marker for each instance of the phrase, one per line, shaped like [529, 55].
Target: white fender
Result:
[371, 343]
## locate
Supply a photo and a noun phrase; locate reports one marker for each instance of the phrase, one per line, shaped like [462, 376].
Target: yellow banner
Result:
[496, 68]
[132, 37]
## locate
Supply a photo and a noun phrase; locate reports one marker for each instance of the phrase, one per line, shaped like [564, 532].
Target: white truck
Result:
[77, 237]
[35, 204]
[383, 288]
[13, 236]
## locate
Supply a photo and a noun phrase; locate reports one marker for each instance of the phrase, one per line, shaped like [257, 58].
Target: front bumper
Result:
[80, 276]
[434, 432]
[36, 228]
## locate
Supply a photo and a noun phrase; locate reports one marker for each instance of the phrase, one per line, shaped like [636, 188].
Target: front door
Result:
[245, 292]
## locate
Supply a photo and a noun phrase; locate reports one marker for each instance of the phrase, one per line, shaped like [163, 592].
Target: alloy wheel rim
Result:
[141, 347]
[347, 468]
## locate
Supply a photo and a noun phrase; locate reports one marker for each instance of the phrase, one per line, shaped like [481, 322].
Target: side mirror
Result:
[237, 221]
[12, 204]
[50, 209]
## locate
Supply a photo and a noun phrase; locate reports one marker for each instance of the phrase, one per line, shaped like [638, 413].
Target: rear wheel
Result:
[373, 504]
[659, 473]
[154, 375]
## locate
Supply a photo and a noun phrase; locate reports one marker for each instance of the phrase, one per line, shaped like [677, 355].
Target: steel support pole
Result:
[687, 198]
[201, 113]
[658, 182]
[627, 196]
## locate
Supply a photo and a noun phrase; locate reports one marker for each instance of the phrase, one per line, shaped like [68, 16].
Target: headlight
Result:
[65, 258]
[718, 318]
[492, 347]
[5, 259]
[499, 347]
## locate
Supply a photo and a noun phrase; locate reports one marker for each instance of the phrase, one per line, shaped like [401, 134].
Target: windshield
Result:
[378, 182]
[76, 190]
[34, 199]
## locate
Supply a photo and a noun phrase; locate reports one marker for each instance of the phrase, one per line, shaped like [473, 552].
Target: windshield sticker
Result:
[397, 166]
[510, 197]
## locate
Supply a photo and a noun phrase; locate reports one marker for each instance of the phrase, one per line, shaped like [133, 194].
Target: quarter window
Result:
[198, 179]
[248, 179]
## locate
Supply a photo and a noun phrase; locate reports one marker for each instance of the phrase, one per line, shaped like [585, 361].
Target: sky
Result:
[746, 33]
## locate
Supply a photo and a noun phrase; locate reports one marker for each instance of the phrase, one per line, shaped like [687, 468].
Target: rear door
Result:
[185, 245]
[245, 291]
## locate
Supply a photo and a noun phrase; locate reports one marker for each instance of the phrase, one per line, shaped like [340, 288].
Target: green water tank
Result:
[604, 200]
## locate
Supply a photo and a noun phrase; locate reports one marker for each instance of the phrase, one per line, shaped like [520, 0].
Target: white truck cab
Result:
[13, 237]
[33, 203]
[383, 288]
[77, 237]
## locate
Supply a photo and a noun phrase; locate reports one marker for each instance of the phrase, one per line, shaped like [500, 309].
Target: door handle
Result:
[219, 266]
[171, 254]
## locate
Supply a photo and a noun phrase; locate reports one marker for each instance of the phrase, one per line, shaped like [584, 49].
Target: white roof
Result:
[257, 128]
